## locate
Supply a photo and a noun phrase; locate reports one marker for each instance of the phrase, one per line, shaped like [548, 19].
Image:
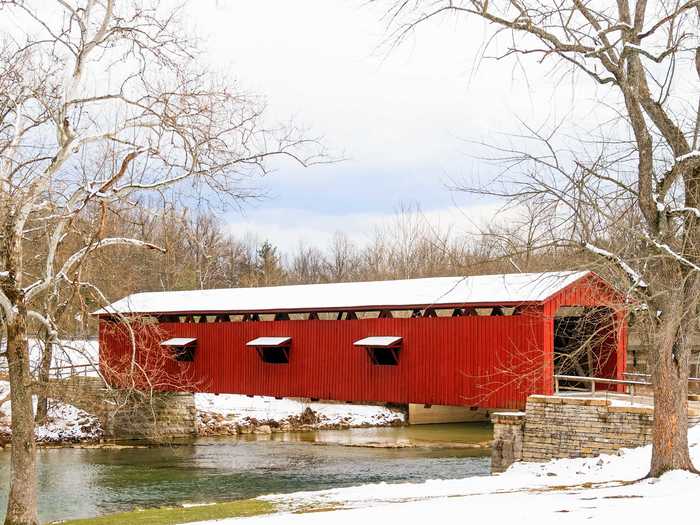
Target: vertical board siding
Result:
[489, 362]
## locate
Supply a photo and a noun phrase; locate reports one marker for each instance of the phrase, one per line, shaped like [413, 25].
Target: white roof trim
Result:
[179, 341]
[435, 291]
[269, 341]
[379, 341]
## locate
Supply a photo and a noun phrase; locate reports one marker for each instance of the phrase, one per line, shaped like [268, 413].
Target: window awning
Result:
[270, 341]
[380, 341]
[179, 341]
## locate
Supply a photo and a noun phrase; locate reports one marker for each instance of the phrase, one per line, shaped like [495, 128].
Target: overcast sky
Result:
[401, 118]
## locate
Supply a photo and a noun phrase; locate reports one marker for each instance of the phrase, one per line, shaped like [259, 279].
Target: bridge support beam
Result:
[429, 414]
[508, 437]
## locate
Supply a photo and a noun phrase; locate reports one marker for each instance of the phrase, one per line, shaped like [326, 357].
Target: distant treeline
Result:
[201, 253]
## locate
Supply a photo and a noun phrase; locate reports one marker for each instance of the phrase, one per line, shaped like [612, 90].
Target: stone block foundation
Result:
[567, 427]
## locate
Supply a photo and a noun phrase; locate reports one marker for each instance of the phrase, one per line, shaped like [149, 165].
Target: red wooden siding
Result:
[473, 361]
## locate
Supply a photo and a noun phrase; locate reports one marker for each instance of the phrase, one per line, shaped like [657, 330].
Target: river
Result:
[84, 482]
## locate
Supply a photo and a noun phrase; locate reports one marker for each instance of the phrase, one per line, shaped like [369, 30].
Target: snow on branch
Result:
[662, 207]
[631, 273]
[685, 209]
[695, 154]
[33, 314]
[666, 248]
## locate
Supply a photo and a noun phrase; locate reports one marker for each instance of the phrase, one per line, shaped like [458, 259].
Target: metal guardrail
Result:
[63, 372]
[593, 381]
[648, 376]
[60, 372]
[640, 380]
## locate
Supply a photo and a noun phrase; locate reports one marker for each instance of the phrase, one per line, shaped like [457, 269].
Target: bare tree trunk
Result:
[42, 403]
[22, 501]
[670, 368]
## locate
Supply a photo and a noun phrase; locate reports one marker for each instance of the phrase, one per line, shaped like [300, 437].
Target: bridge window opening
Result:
[313, 316]
[382, 350]
[585, 342]
[143, 319]
[496, 311]
[274, 350]
[429, 312]
[222, 318]
[282, 316]
[182, 348]
[250, 318]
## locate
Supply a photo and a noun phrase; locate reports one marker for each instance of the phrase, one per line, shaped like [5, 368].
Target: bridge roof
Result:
[501, 289]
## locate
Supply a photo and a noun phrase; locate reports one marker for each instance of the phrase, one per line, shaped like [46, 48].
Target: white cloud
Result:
[399, 117]
[287, 227]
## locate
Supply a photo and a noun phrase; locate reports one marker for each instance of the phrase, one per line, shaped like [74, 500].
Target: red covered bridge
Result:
[481, 341]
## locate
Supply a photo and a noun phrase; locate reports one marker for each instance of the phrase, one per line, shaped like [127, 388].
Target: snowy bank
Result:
[64, 423]
[231, 414]
[605, 488]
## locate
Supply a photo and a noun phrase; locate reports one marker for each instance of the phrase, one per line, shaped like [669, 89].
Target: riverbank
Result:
[600, 489]
[217, 415]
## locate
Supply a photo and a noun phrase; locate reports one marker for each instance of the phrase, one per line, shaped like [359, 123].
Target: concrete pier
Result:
[430, 414]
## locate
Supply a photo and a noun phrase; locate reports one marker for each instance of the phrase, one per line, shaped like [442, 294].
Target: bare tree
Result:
[308, 265]
[100, 102]
[631, 194]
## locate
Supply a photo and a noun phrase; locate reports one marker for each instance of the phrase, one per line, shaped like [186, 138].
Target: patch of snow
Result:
[522, 287]
[240, 409]
[68, 424]
[64, 423]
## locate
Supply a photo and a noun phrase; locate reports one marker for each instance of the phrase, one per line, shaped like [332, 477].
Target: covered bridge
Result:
[481, 341]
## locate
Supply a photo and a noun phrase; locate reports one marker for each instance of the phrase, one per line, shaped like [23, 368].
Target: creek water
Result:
[84, 482]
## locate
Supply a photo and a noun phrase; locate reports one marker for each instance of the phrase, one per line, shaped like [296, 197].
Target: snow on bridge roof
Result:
[434, 291]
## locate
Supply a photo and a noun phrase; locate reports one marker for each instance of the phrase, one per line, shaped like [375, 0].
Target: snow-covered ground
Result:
[289, 414]
[64, 423]
[593, 490]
